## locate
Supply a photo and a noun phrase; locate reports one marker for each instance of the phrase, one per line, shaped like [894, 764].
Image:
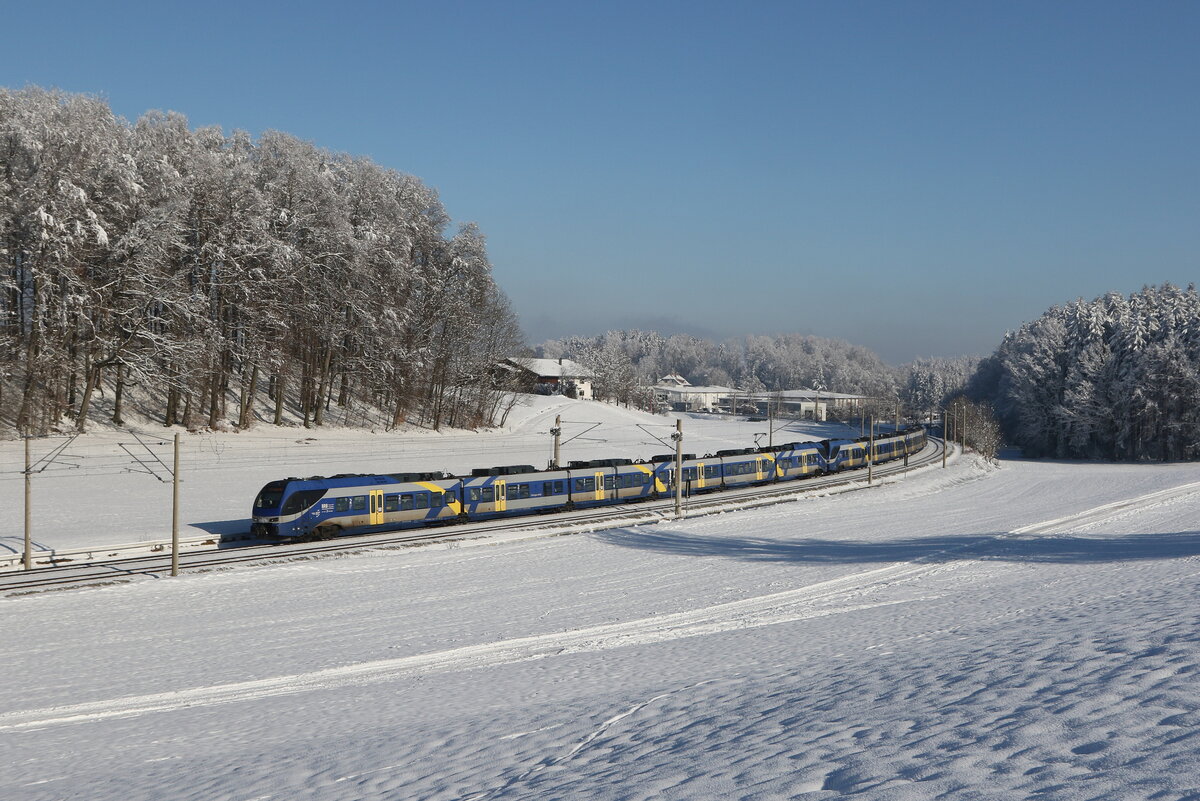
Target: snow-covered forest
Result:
[213, 271]
[1111, 378]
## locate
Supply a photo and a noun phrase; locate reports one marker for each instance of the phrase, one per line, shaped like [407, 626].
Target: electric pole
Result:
[557, 432]
[175, 512]
[945, 438]
[678, 437]
[871, 453]
[28, 516]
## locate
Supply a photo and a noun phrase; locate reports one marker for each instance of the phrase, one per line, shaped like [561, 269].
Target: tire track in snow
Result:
[765, 610]
[1099, 513]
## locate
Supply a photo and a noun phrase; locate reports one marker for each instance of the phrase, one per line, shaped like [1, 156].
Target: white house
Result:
[556, 374]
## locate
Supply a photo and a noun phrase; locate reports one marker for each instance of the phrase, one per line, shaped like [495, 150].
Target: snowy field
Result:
[1022, 632]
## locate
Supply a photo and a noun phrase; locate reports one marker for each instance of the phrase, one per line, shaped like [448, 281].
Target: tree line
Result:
[213, 271]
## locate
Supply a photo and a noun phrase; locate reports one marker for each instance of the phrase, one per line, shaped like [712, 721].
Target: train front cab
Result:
[844, 455]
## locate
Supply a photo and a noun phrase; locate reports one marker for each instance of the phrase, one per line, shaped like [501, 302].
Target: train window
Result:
[406, 503]
[524, 490]
[391, 503]
[342, 505]
[436, 500]
[547, 487]
[488, 494]
[585, 484]
[610, 482]
[422, 500]
[473, 494]
[359, 503]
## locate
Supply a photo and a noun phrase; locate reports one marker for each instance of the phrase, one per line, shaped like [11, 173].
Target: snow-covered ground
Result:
[1022, 632]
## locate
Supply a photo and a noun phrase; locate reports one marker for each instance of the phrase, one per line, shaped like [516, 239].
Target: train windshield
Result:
[270, 496]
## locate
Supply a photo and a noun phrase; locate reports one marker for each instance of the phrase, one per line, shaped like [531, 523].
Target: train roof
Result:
[586, 463]
[363, 479]
[503, 470]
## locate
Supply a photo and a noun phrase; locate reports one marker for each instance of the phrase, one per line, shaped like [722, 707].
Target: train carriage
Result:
[512, 490]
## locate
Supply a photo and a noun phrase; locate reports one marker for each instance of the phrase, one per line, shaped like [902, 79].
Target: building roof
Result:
[552, 368]
[690, 390]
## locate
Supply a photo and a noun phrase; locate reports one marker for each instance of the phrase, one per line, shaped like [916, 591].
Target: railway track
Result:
[96, 573]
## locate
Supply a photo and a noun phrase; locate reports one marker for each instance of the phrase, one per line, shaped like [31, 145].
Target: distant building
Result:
[687, 398]
[554, 376]
[676, 393]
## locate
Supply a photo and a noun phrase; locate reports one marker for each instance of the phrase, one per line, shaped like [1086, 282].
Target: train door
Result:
[599, 486]
[375, 505]
[501, 495]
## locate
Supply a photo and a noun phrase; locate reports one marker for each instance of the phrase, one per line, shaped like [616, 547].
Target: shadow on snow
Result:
[1050, 548]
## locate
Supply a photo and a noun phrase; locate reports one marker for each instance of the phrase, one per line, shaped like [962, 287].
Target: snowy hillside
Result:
[1022, 632]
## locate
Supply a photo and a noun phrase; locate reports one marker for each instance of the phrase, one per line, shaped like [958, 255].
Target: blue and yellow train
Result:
[320, 507]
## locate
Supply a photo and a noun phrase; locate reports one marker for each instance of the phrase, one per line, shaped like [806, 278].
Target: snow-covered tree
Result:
[1111, 378]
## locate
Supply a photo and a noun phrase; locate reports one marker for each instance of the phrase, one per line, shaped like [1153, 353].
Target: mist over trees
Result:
[625, 360]
[210, 269]
[1111, 378]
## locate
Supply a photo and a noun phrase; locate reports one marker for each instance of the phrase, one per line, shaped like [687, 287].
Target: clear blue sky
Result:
[915, 177]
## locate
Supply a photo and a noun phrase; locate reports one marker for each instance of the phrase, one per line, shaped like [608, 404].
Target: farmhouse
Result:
[554, 376]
